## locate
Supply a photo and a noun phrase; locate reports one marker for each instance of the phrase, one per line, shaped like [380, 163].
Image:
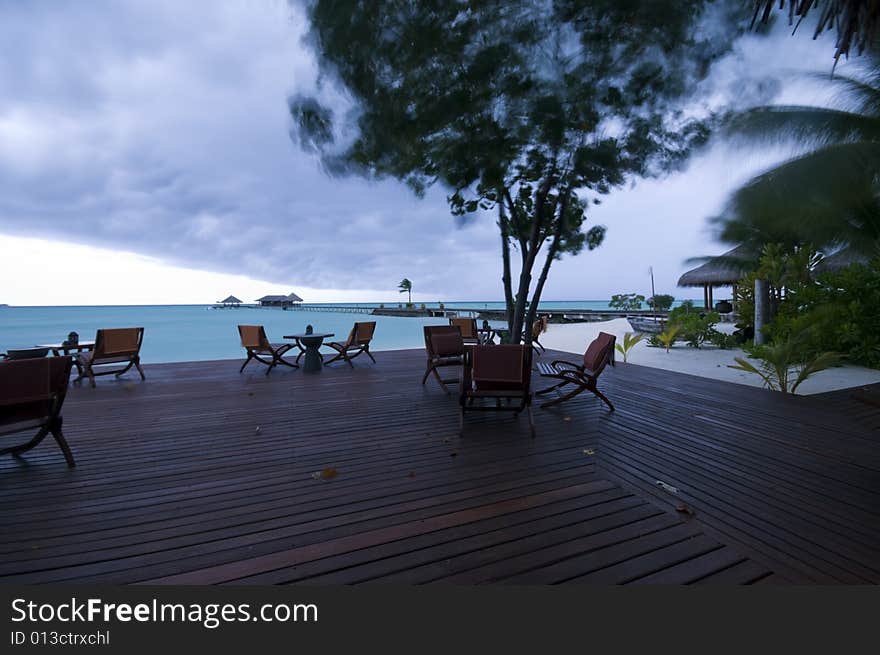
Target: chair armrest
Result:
[569, 365]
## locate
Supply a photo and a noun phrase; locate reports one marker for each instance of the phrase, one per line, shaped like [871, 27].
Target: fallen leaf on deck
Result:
[589, 451]
[326, 474]
[566, 418]
[684, 509]
[258, 430]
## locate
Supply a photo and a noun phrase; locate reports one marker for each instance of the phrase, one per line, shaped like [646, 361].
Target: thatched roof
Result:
[840, 260]
[294, 298]
[723, 270]
[231, 300]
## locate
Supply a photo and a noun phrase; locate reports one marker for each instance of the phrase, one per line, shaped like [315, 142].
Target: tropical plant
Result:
[630, 339]
[627, 301]
[667, 337]
[531, 111]
[829, 196]
[694, 327]
[784, 365]
[856, 21]
[406, 286]
[661, 302]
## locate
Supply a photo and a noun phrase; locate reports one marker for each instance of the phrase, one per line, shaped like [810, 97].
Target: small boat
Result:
[646, 324]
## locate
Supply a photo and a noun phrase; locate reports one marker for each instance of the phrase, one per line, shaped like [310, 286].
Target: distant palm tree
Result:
[828, 197]
[405, 286]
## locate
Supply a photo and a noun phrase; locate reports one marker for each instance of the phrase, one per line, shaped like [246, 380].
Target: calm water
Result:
[176, 333]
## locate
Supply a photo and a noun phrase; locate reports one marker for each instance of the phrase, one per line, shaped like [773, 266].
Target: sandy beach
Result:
[707, 361]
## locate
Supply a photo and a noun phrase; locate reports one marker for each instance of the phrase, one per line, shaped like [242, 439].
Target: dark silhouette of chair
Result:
[358, 342]
[583, 377]
[468, 327]
[258, 347]
[497, 373]
[445, 348]
[32, 392]
[114, 346]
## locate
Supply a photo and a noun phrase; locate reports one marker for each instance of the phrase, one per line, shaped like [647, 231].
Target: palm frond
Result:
[800, 124]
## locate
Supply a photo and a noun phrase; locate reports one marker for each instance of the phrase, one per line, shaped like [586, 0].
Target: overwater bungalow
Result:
[279, 301]
[229, 301]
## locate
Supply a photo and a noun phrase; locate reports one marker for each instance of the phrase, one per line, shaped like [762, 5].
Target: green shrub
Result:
[694, 327]
[627, 301]
[661, 302]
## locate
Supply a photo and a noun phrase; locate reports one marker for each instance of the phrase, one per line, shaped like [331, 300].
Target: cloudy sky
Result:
[145, 158]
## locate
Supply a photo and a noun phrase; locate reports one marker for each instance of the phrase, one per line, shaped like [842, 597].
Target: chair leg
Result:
[427, 373]
[562, 399]
[62, 443]
[246, 362]
[369, 354]
[137, 365]
[15, 450]
[553, 388]
[603, 398]
[91, 375]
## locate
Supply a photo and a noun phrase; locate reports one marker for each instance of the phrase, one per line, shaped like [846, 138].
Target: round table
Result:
[312, 362]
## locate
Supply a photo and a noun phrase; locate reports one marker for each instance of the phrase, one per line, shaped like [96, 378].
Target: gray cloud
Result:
[161, 127]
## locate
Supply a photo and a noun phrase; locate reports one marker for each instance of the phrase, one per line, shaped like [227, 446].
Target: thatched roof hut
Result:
[231, 300]
[721, 271]
[279, 301]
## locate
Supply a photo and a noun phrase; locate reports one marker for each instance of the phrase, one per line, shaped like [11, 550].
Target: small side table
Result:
[312, 362]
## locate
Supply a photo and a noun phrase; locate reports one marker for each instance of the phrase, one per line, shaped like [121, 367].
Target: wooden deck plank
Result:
[200, 474]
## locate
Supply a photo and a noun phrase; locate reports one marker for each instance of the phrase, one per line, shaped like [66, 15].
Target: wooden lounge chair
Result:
[500, 373]
[358, 342]
[256, 343]
[445, 347]
[584, 377]
[115, 346]
[468, 327]
[31, 394]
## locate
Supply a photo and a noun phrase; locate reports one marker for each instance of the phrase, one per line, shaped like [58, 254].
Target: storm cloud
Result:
[162, 128]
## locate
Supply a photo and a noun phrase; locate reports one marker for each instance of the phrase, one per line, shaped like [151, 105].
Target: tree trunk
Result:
[505, 256]
[762, 306]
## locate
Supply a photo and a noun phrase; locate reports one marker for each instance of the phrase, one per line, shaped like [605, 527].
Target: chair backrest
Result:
[504, 367]
[599, 353]
[443, 341]
[32, 388]
[253, 337]
[26, 353]
[361, 334]
[468, 327]
[118, 342]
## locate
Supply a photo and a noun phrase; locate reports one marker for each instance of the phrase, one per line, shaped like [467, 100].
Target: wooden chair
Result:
[500, 373]
[257, 345]
[539, 327]
[468, 327]
[445, 348]
[114, 346]
[599, 354]
[32, 392]
[358, 342]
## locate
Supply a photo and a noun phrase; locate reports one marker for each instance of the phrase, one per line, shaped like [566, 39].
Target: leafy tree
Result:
[627, 301]
[661, 302]
[530, 110]
[406, 286]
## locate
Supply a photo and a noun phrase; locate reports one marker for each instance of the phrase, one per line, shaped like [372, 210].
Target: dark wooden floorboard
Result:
[202, 475]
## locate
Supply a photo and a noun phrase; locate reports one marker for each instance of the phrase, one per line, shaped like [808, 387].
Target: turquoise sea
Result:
[174, 333]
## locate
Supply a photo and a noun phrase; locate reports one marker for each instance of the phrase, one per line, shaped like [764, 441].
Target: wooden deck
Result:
[202, 475]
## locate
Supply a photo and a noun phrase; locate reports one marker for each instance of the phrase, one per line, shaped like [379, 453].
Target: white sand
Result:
[707, 361]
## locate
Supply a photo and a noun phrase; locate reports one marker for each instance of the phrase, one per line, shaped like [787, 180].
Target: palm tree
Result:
[828, 197]
[405, 286]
